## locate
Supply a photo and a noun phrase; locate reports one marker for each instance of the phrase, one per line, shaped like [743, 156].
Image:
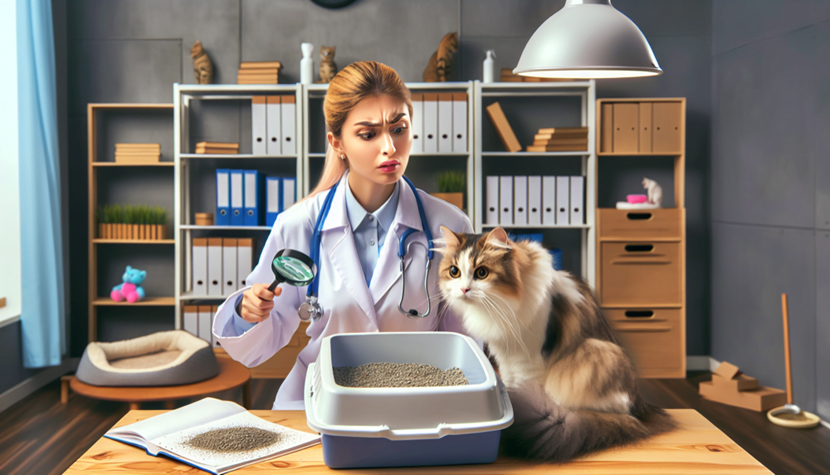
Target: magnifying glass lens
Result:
[293, 269]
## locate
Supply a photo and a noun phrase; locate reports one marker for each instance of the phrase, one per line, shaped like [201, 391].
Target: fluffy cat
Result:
[573, 387]
[327, 67]
[438, 68]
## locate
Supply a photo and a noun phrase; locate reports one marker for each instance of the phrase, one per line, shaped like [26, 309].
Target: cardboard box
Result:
[741, 382]
[762, 399]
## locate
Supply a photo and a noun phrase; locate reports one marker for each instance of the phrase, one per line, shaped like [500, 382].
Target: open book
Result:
[170, 434]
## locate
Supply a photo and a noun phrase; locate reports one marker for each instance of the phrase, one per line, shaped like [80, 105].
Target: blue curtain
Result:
[42, 313]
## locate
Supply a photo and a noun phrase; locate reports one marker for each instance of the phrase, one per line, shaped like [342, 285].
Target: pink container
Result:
[637, 198]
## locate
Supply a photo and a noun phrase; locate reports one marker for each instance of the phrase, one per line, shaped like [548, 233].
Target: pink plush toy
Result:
[637, 198]
[130, 290]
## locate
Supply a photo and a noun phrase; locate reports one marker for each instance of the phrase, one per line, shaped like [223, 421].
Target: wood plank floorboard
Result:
[41, 436]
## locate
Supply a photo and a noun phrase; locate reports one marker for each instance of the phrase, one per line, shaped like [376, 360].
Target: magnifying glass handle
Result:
[273, 286]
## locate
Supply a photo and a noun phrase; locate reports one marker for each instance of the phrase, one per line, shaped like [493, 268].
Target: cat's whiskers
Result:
[507, 321]
[489, 307]
[516, 331]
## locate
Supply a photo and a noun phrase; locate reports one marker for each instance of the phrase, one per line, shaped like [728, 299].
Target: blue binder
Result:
[237, 198]
[273, 202]
[253, 197]
[223, 197]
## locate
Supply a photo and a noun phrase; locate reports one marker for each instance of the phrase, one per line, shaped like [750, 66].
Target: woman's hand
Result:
[257, 303]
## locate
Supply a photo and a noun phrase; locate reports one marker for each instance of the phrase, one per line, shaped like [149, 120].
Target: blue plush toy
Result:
[130, 290]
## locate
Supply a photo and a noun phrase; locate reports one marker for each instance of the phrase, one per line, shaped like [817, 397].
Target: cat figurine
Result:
[327, 67]
[130, 290]
[202, 65]
[438, 68]
[572, 385]
[654, 191]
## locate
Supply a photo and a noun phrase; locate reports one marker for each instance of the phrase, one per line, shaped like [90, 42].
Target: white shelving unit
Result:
[184, 96]
[586, 91]
[475, 156]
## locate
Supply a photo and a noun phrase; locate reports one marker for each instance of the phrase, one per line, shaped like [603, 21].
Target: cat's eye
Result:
[482, 273]
[455, 272]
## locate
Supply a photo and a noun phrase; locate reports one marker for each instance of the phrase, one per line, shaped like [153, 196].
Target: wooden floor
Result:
[42, 436]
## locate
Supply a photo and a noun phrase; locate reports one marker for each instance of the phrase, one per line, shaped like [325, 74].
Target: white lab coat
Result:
[349, 306]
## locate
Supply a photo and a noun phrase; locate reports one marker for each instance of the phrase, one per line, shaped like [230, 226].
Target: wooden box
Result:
[654, 337]
[625, 134]
[648, 224]
[640, 274]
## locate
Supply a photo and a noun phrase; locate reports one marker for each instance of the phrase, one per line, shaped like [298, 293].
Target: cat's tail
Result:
[544, 431]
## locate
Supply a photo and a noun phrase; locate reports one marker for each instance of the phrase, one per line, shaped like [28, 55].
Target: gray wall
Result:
[134, 50]
[770, 191]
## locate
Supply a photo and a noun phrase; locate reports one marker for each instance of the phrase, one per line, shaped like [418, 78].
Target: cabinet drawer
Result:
[650, 224]
[654, 342]
[640, 273]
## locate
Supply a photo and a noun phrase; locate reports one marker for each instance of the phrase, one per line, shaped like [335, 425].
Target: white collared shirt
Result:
[369, 229]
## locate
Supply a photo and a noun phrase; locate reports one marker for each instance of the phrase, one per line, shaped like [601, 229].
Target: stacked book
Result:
[508, 76]
[259, 72]
[560, 139]
[137, 152]
[730, 386]
[218, 148]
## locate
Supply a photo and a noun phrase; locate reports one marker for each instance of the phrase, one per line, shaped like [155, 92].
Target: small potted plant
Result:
[451, 186]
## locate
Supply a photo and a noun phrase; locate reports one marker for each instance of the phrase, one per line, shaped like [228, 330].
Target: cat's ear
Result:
[498, 237]
[450, 238]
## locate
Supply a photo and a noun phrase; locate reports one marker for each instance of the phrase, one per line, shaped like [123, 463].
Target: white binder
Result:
[214, 261]
[563, 195]
[492, 213]
[549, 200]
[417, 123]
[229, 281]
[258, 128]
[459, 122]
[191, 319]
[289, 192]
[534, 200]
[237, 198]
[244, 261]
[205, 320]
[200, 259]
[289, 128]
[520, 200]
[445, 122]
[273, 125]
[506, 200]
[577, 200]
[431, 123]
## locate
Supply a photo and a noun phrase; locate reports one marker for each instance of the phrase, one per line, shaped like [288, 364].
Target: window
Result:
[9, 173]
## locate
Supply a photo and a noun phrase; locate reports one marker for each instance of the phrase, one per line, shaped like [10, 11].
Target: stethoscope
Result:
[295, 268]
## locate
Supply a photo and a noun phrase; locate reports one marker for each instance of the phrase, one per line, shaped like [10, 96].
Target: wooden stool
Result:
[231, 375]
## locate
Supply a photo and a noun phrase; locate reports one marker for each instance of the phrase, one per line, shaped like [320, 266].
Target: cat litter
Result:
[234, 439]
[401, 424]
[397, 375]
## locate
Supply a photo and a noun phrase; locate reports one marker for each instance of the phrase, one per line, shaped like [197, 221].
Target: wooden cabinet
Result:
[641, 254]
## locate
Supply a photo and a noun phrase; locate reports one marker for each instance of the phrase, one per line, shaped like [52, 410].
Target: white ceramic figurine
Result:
[655, 192]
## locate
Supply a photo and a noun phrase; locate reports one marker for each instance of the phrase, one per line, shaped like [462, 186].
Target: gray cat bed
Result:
[161, 359]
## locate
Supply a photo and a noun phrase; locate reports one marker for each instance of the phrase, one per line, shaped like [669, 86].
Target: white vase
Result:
[307, 64]
[488, 66]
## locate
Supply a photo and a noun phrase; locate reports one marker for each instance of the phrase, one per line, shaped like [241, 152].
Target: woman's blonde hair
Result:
[351, 85]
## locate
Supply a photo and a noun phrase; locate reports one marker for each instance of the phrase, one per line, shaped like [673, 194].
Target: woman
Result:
[369, 115]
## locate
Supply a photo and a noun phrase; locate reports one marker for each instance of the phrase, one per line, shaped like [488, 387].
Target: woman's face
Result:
[376, 139]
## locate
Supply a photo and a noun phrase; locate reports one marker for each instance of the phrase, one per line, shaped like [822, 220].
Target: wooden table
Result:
[231, 375]
[697, 447]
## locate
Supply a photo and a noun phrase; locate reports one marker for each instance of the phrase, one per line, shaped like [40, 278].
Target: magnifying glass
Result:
[292, 267]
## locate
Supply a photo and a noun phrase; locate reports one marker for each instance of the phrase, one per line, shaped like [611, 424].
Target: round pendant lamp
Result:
[588, 39]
